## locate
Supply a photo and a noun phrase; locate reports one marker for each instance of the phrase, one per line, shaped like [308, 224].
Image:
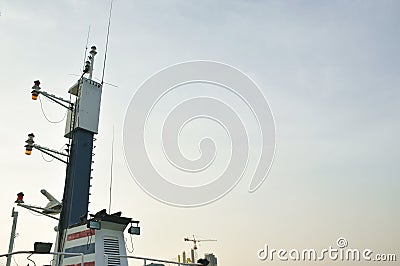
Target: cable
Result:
[108, 34]
[15, 260]
[131, 245]
[71, 126]
[33, 213]
[14, 256]
[47, 161]
[28, 258]
[52, 158]
[44, 114]
[113, 85]
[111, 170]
[61, 244]
[89, 239]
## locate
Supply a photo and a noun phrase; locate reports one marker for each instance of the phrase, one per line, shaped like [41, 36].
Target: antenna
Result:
[86, 46]
[53, 206]
[108, 34]
[111, 169]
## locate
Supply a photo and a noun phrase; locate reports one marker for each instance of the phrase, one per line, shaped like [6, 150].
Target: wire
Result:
[86, 47]
[133, 249]
[111, 169]
[15, 260]
[14, 256]
[45, 116]
[47, 161]
[33, 213]
[89, 241]
[28, 258]
[108, 34]
[71, 126]
[113, 85]
[61, 244]
[52, 158]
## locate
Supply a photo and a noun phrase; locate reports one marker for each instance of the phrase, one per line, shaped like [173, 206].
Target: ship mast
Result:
[82, 124]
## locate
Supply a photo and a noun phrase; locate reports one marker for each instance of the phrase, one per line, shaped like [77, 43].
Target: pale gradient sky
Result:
[329, 69]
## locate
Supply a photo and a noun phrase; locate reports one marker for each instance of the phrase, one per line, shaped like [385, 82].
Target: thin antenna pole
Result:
[86, 47]
[111, 170]
[108, 34]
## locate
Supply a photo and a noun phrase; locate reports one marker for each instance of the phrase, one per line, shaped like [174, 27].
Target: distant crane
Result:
[195, 241]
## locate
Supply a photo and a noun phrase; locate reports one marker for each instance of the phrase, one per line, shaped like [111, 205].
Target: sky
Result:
[330, 73]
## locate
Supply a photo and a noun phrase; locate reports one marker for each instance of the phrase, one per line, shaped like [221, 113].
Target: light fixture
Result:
[94, 224]
[40, 247]
[20, 198]
[134, 229]
[35, 90]
[29, 144]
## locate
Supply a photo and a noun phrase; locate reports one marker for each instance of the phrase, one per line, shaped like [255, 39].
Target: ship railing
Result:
[46, 253]
[146, 260]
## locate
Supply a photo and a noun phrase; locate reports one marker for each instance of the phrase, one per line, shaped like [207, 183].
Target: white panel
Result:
[104, 245]
[87, 106]
[68, 125]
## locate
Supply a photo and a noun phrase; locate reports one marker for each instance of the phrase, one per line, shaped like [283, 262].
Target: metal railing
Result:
[146, 260]
[49, 253]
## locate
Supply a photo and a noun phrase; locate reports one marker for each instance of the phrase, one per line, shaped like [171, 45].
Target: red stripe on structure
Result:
[81, 234]
[85, 264]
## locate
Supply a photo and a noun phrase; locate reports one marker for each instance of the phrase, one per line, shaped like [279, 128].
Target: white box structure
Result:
[95, 244]
[85, 114]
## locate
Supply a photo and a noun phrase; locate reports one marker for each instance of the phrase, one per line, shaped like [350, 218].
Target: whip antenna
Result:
[108, 34]
[111, 169]
[86, 47]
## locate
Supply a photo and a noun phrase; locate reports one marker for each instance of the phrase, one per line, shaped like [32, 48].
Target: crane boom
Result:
[195, 241]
